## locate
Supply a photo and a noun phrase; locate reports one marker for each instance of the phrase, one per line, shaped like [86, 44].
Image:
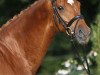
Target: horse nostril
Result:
[81, 33]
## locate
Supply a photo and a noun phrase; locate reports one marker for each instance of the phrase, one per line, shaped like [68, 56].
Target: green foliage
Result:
[96, 41]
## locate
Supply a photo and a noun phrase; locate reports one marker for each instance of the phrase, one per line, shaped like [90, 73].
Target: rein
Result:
[70, 32]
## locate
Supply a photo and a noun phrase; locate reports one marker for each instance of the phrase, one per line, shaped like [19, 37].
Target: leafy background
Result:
[60, 49]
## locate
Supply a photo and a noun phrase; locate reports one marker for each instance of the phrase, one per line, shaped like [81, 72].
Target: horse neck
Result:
[33, 31]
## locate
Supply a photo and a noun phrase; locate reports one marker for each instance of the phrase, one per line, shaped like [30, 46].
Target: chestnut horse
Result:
[24, 40]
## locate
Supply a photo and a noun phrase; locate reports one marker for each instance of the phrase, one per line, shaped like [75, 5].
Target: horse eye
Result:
[60, 8]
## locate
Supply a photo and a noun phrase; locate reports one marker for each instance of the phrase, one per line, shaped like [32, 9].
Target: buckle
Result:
[69, 31]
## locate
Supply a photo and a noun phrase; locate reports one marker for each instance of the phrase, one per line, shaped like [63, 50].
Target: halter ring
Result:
[69, 31]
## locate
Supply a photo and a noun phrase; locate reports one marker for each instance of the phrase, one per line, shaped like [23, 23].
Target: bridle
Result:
[66, 26]
[70, 32]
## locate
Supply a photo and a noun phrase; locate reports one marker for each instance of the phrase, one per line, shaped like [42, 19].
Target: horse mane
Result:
[18, 15]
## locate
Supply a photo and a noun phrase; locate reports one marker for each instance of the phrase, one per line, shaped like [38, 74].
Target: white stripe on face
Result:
[70, 1]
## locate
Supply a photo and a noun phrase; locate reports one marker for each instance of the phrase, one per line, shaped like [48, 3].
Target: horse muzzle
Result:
[82, 35]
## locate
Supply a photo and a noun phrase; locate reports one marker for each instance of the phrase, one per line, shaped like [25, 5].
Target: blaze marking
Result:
[70, 1]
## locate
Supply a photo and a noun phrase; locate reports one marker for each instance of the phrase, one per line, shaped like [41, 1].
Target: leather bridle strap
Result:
[57, 14]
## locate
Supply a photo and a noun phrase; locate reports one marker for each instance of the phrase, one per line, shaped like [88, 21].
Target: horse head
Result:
[68, 18]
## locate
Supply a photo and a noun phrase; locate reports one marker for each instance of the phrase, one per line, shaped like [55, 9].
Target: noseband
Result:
[69, 31]
[66, 26]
